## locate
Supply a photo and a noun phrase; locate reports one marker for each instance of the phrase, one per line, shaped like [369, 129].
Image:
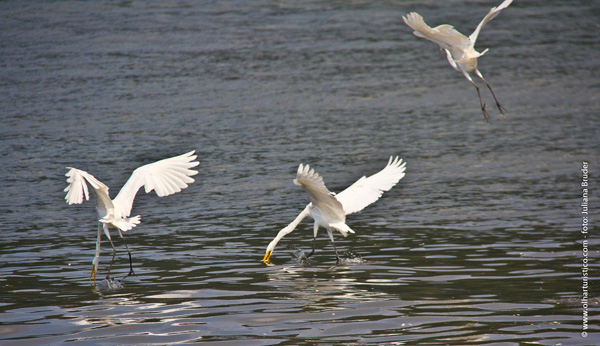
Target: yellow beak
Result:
[267, 257]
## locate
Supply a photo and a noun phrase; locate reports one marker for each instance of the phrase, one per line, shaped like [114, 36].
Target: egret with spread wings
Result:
[165, 177]
[459, 48]
[329, 210]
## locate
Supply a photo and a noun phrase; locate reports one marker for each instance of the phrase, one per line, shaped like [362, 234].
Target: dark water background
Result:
[480, 243]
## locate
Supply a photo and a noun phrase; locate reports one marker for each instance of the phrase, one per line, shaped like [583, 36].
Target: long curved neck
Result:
[289, 228]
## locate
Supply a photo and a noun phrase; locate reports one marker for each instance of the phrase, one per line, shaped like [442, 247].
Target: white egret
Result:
[165, 177]
[329, 210]
[460, 50]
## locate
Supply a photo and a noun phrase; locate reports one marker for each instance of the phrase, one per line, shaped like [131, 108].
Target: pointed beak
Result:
[267, 257]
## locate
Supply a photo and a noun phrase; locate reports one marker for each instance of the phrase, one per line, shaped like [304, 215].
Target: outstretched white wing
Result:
[78, 188]
[444, 35]
[368, 190]
[493, 13]
[320, 196]
[166, 177]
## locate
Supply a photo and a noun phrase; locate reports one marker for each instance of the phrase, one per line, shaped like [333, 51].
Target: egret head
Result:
[267, 257]
[286, 230]
[270, 248]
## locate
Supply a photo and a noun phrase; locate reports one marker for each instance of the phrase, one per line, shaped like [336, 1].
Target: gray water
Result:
[480, 243]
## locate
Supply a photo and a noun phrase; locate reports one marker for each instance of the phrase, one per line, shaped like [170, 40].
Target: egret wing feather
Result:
[365, 191]
[78, 188]
[491, 15]
[444, 35]
[165, 177]
[320, 196]
[124, 224]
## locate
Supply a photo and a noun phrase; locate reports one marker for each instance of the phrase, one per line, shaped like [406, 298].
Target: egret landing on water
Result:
[459, 49]
[329, 210]
[165, 177]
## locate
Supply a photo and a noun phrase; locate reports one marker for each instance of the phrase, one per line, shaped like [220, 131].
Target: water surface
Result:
[480, 243]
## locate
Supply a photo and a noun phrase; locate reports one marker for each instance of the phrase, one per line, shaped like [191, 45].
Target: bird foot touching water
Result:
[108, 284]
[350, 258]
[301, 257]
[113, 283]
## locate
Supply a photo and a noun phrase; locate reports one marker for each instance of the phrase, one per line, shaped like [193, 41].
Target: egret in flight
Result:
[329, 210]
[165, 177]
[459, 48]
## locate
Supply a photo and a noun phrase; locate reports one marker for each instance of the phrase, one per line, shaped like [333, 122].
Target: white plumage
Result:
[329, 210]
[165, 177]
[459, 48]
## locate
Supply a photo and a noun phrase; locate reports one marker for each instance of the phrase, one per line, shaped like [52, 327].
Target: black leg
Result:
[338, 260]
[112, 260]
[500, 107]
[313, 247]
[486, 115]
[130, 264]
